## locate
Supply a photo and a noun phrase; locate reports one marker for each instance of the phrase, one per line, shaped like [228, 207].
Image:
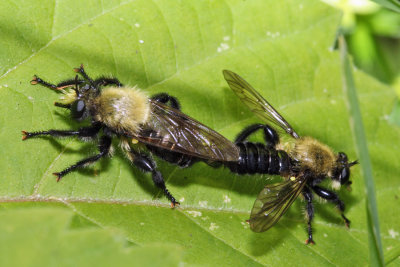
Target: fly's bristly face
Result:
[341, 172]
[77, 98]
[76, 94]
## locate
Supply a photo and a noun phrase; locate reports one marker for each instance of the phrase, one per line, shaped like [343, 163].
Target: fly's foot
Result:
[310, 241]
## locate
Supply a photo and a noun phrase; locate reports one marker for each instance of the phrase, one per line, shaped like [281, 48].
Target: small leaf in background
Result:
[391, 4]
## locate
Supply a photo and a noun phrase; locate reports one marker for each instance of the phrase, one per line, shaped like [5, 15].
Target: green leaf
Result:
[282, 48]
[44, 236]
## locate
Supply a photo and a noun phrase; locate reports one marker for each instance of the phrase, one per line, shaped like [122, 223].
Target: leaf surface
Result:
[282, 48]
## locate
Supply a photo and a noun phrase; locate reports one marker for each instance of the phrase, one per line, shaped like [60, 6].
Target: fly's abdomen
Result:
[176, 158]
[257, 158]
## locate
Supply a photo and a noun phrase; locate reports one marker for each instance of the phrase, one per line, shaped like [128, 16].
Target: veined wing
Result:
[256, 102]
[170, 129]
[273, 201]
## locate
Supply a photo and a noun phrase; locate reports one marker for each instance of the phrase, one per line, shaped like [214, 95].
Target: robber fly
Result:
[303, 164]
[127, 113]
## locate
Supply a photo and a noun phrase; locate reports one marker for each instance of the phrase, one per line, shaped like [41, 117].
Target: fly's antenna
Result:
[353, 163]
[84, 75]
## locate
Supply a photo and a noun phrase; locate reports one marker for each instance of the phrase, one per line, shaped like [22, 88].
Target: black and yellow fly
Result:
[304, 163]
[127, 113]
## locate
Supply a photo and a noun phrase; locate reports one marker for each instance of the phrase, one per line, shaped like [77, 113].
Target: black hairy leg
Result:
[104, 148]
[332, 197]
[310, 213]
[270, 136]
[59, 86]
[107, 81]
[85, 132]
[167, 99]
[145, 163]
[82, 71]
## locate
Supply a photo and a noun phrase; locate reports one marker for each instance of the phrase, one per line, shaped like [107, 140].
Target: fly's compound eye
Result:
[343, 172]
[78, 109]
[344, 176]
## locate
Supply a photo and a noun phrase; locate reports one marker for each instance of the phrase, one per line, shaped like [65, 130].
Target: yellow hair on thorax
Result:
[314, 155]
[122, 108]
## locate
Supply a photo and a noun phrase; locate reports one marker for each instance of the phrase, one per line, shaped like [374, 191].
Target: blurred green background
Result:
[373, 36]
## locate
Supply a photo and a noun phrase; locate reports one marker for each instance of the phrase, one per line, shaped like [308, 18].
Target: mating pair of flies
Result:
[129, 114]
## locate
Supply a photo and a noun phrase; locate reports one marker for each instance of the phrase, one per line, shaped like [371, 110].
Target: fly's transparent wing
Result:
[273, 201]
[170, 129]
[256, 102]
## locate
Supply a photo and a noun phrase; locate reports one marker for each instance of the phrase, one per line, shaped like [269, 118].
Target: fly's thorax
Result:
[314, 156]
[285, 146]
[121, 109]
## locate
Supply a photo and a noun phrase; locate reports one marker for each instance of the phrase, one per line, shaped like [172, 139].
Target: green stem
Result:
[375, 244]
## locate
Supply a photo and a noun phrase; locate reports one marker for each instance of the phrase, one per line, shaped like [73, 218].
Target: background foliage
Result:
[111, 213]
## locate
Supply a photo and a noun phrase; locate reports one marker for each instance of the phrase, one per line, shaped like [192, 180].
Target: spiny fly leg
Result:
[167, 99]
[107, 81]
[159, 182]
[82, 71]
[310, 213]
[36, 80]
[270, 136]
[334, 198]
[346, 221]
[104, 148]
[68, 83]
[86, 132]
[55, 133]
[146, 163]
